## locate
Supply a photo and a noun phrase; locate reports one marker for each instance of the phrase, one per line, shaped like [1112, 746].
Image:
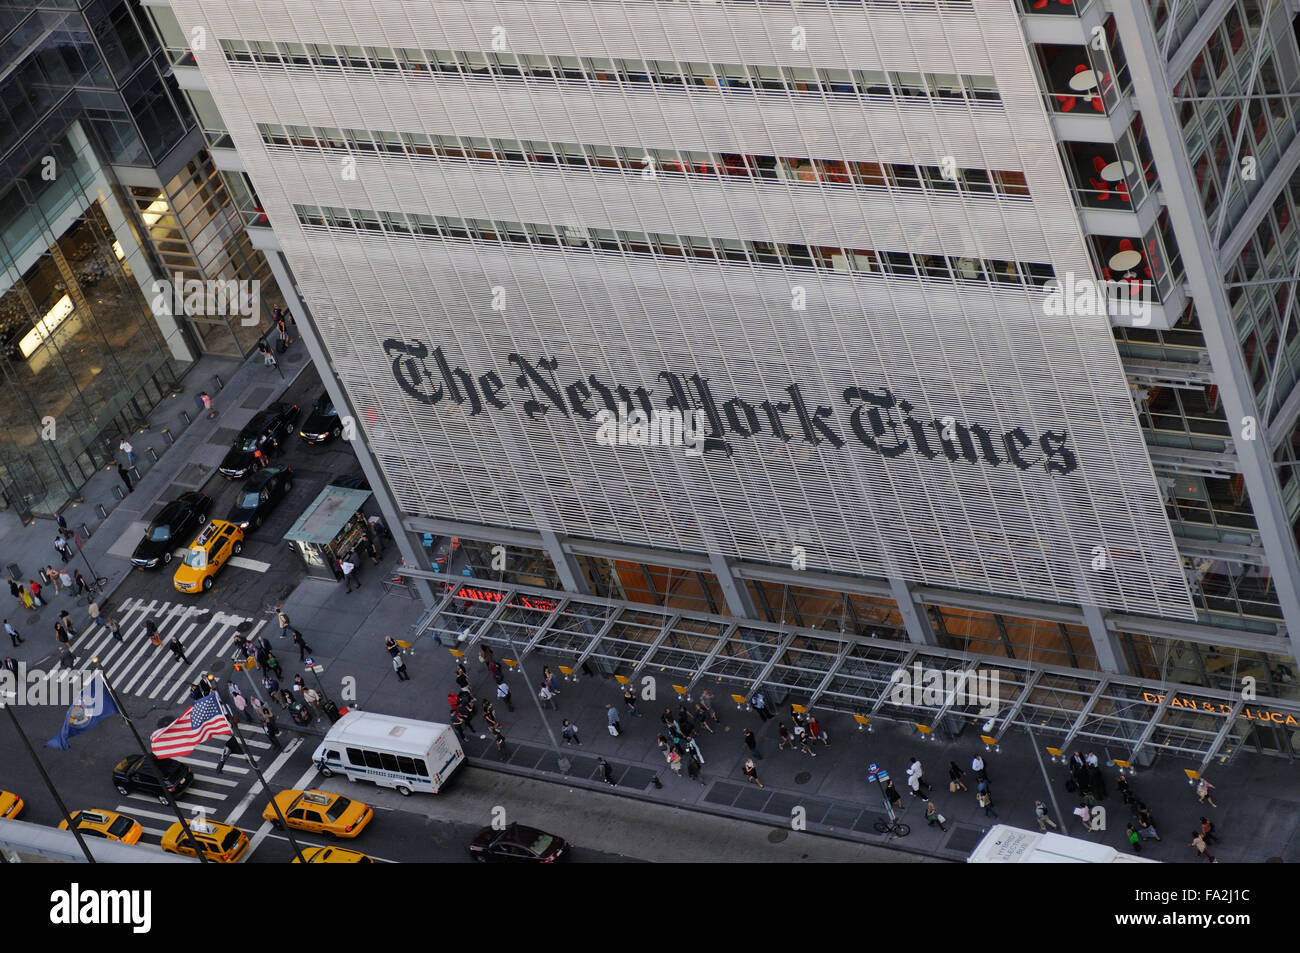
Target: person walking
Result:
[606, 772]
[702, 717]
[805, 740]
[1203, 789]
[611, 718]
[1201, 850]
[752, 744]
[126, 478]
[458, 725]
[268, 359]
[1040, 815]
[986, 802]
[933, 817]
[51, 575]
[816, 732]
[1124, 792]
[14, 637]
[74, 581]
[129, 451]
[96, 618]
[66, 618]
[500, 740]
[116, 628]
[303, 648]
[783, 736]
[391, 646]
[174, 646]
[915, 780]
[759, 701]
[891, 792]
[462, 677]
[272, 663]
[272, 686]
[547, 696]
[706, 699]
[282, 617]
[35, 587]
[15, 591]
[1145, 821]
[231, 747]
[1084, 813]
[25, 597]
[349, 569]
[955, 782]
[693, 765]
[490, 715]
[1134, 838]
[399, 666]
[549, 677]
[269, 726]
[503, 694]
[311, 698]
[751, 772]
[282, 329]
[238, 702]
[629, 700]
[1207, 831]
[977, 765]
[692, 748]
[675, 761]
[205, 402]
[61, 542]
[569, 731]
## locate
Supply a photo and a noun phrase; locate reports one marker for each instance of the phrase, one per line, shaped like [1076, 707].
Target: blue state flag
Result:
[92, 705]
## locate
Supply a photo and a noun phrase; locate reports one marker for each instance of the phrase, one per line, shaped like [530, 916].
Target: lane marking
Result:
[265, 829]
[269, 772]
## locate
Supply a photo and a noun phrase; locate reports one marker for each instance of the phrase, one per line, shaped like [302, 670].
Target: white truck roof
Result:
[1004, 844]
[385, 732]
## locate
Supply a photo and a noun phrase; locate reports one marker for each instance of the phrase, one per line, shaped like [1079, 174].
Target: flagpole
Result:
[150, 761]
[90, 858]
[234, 731]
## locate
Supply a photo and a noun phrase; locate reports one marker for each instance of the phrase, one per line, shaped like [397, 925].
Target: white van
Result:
[392, 752]
[1004, 844]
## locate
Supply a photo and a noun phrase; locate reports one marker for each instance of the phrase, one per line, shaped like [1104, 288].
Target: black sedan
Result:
[322, 424]
[261, 492]
[133, 774]
[264, 431]
[173, 527]
[517, 843]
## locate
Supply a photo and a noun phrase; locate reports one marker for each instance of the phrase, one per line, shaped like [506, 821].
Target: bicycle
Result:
[894, 826]
[92, 591]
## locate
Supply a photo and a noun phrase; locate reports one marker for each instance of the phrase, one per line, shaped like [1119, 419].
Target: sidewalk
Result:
[238, 390]
[1259, 803]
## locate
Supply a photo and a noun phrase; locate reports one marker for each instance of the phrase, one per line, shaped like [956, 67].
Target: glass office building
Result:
[105, 186]
[988, 305]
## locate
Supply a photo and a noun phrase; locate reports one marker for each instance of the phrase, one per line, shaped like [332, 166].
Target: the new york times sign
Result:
[877, 419]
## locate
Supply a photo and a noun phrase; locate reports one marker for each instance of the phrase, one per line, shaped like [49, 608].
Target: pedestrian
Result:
[1133, 838]
[67, 658]
[1096, 784]
[126, 478]
[1040, 815]
[462, 677]
[61, 633]
[693, 765]
[495, 670]
[611, 717]
[1207, 831]
[232, 747]
[1084, 813]
[11, 664]
[282, 330]
[349, 569]
[955, 782]
[547, 696]
[692, 748]
[629, 700]
[26, 598]
[1122, 786]
[271, 684]
[485, 656]
[268, 359]
[61, 543]
[206, 403]
[458, 725]
[670, 721]
[702, 717]
[35, 587]
[549, 677]
[684, 719]
[569, 731]
[391, 646]
[759, 701]
[14, 590]
[982, 787]
[311, 698]
[96, 618]
[127, 449]
[237, 701]
[986, 802]
[815, 731]
[783, 736]
[915, 781]
[977, 765]
[174, 646]
[752, 744]
[500, 740]
[805, 740]
[303, 647]
[62, 524]
[368, 547]
[260, 711]
[490, 715]
[399, 666]
[268, 726]
[14, 637]
[51, 575]
[503, 694]
[115, 627]
[1201, 850]
[282, 617]
[891, 792]
[606, 772]
[751, 772]
[272, 663]
[66, 619]
[933, 817]
[1203, 789]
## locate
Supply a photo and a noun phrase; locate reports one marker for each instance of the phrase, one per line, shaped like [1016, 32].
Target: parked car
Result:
[170, 529]
[516, 843]
[264, 431]
[133, 774]
[261, 492]
[322, 424]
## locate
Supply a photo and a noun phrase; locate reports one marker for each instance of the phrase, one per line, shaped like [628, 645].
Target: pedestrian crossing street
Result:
[136, 667]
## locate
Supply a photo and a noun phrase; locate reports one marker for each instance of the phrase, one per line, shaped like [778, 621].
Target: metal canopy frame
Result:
[774, 663]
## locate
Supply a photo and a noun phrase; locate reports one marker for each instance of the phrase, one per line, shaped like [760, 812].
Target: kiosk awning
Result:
[328, 514]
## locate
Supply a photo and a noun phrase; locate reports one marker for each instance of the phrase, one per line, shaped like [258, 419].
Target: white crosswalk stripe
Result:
[137, 667]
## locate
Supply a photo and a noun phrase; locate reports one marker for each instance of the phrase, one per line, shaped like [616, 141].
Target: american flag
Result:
[201, 721]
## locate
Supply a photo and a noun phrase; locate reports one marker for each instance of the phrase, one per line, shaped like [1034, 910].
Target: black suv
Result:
[173, 526]
[260, 494]
[264, 431]
[322, 424]
[133, 773]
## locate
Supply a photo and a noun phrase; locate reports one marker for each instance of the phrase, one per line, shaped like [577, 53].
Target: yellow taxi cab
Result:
[220, 842]
[11, 805]
[211, 549]
[333, 855]
[320, 812]
[107, 824]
